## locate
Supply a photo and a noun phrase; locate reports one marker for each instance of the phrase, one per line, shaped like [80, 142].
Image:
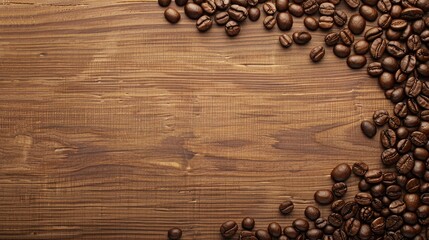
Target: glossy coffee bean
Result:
[357, 24]
[335, 219]
[368, 128]
[374, 176]
[310, 6]
[386, 80]
[317, 53]
[274, 229]
[232, 28]
[164, 3]
[248, 223]
[222, 18]
[222, 4]
[312, 213]
[378, 46]
[262, 234]
[356, 61]
[237, 13]
[296, 10]
[269, 22]
[269, 8]
[284, 21]
[369, 13]
[340, 18]
[228, 229]
[286, 207]
[301, 38]
[341, 172]
[181, 3]
[346, 36]
[282, 5]
[341, 50]
[372, 33]
[326, 22]
[254, 13]
[301, 224]
[285, 40]
[311, 23]
[172, 15]
[332, 38]
[389, 64]
[174, 234]
[290, 232]
[361, 47]
[374, 69]
[324, 197]
[339, 189]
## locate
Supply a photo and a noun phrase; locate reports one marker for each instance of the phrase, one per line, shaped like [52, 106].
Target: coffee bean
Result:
[174, 234]
[413, 87]
[232, 28]
[366, 213]
[327, 9]
[378, 47]
[394, 222]
[404, 146]
[326, 22]
[337, 205]
[340, 18]
[363, 199]
[332, 38]
[209, 6]
[422, 54]
[398, 24]
[386, 80]
[356, 61]
[352, 3]
[352, 227]
[369, 13]
[368, 128]
[346, 36]
[310, 6]
[389, 156]
[317, 53]
[285, 40]
[320, 223]
[237, 12]
[384, 6]
[424, 125]
[296, 10]
[418, 26]
[335, 219]
[380, 117]
[373, 33]
[181, 3]
[284, 21]
[357, 24]
[301, 224]
[388, 138]
[172, 15]
[269, 22]
[423, 69]
[377, 226]
[411, 13]
[228, 229]
[384, 21]
[396, 11]
[418, 138]
[400, 110]
[349, 210]
[388, 63]
[311, 23]
[282, 5]
[323, 197]
[242, 3]
[222, 4]
[262, 235]
[314, 234]
[360, 168]
[408, 63]
[394, 192]
[286, 207]
[274, 229]
[423, 101]
[411, 120]
[164, 3]
[222, 18]
[248, 223]
[269, 8]
[374, 176]
[290, 232]
[301, 38]
[254, 14]
[393, 35]
[339, 189]
[312, 213]
[396, 49]
[341, 172]
[341, 50]
[247, 235]
[361, 47]
[405, 164]
[204, 23]
[374, 69]
[339, 235]
[397, 207]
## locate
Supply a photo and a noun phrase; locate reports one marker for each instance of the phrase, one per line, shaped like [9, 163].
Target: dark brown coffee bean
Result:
[164, 3]
[326, 22]
[248, 223]
[386, 80]
[337, 205]
[396, 49]
[423, 69]
[374, 176]
[172, 15]
[312, 213]
[332, 38]
[340, 18]
[339, 189]
[412, 13]
[400, 110]
[392, 35]
[368, 128]
[285, 40]
[286, 207]
[366, 214]
[384, 6]
[341, 50]
[174, 234]
[412, 201]
[374, 69]
[327, 9]
[377, 226]
[398, 95]
[423, 101]
[418, 26]
[352, 3]
[405, 164]
[360, 168]
[394, 222]
[301, 224]
[282, 5]
[424, 36]
[247, 235]
[408, 63]
[317, 53]
[414, 42]
[380, 117]
[335, 219]
[296, 10]
[222, 18]
[378, 46]
[398, 24]
[349, 210]
[314, 234]
[262, 234]
[361, 47]
[396, 11]
[357, 24]
[311, 23]
[384, 21]
[237, 12]
[352, 227]
[424, 125]
[254, 14]
[209, 7]
[397, 207]
[413, 87]
[269, 22]
[181, 3]
[222, 4]
[341, 172]
[274, 229]
[301, 38]
[419, 168]
[394, 192]
[389, 156]
[388, 63]
[363, 199]
[373, 33]
[242, 3]
[290, 232]
[310, 6]
[347, 36]
[269, 8]
[368, 12]
[324, 197]
[252, 3]
[406, 33]
[232, 28]
[389, 178]
[411, 120]
[284, 21]
[418, 138]
[228, 229]
[422, 54]
[404, 146]
[339, 235]
[356, 61]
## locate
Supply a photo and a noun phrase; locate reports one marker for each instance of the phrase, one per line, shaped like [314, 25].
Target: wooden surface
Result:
[115, 124]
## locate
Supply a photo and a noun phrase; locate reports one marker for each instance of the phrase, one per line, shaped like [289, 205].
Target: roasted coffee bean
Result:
[357, 24]
[418, 26]
[335, 219]
[237, 12]
[423, 69]
[389, 156]
[317, 53]
[412, 13]
[341, 50]
[248, 223]
[301, 224]
[326, 22]
[384, 6]
[274, 229]
[209, 6]
[363, 185]
[311, 23]
[423, 101]
[174, 234]
[374, 176]
[394, 222]
[361, 47]
[406, 33]
[341, 172]
[360, 168]
[232, 28]
[405, 164]
[418, 138]
[392, 35]
[410, 218]
[419, 168]
[310, 6]
[408, 63]
[339, 235]
[366, 213]
[296, 10]
[373, 33]
[320, 223]
[396, 49]
[424, 125]
[222, 18]
[374, 69]
[222, 4]
[285, 40]
[413, 87]
[356, 61]
[332, 38]
[314, 234]
[368, 12]
[284, 21]
[389, 178]
[262, 234]
[402, 133]
[377, 226]
[398, 24]
[340, 18]
[414, 42]
[363, 198]
[411, 120]
[301, 38]
[286, 207]
[352, 226]
[339, 189]
[386, 80]
[424, 198]
[380, 117]
[164, 3]
[269, 22]
[352, 3]
[388, 90]
[422, 54]
[400, 110]
[364, 232]
[337, 205]
[327, 9]
[323, 197]
[384, 21]
[172, 15]
[404, 146]
[181, 3]
[269, 8]
[349, 210]
[398, 95]
[368, 128]
[394, 192]
[396, 11]
[347, 36]
[228, 229]
[282, 5]
[397, 207]
[312, 213]
[378, 46]
[254, 13]
[424, 36]
[290, 232]
[412, 201]
[247, 235]
[388, 63]
[424, 115]
[252, 3]
[388, 138]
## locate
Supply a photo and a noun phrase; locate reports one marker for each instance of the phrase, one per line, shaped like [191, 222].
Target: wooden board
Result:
[115, 124]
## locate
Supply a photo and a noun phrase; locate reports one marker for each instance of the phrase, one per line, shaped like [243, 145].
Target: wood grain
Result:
[115, 124]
